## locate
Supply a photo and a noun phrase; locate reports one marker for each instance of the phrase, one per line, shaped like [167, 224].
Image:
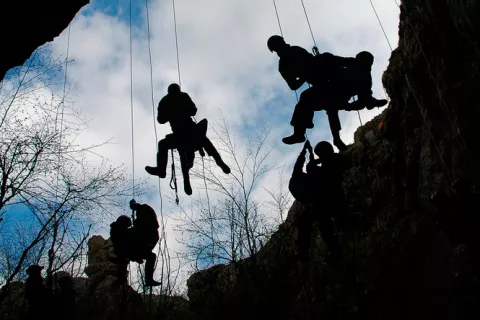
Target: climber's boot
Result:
[298, 136]
[149, 269]
[155, 171]
[152, 283]
[161, 169]
[225, 168]
[354, 106]
[370, 102]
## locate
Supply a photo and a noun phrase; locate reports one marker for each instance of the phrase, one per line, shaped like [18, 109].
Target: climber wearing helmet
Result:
[144, 238]
[334, 81]
[320, 189]
[135, 243]
[177, 108]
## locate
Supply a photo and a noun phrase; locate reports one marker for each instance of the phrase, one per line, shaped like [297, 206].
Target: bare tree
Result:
[228, 223]
[46, 174]
[281, 198]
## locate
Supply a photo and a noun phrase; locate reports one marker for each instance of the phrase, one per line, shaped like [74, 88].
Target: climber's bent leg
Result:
[335, 127]
[302, 118]
[149, 269]
[212, 152]
[162, 156]
[363, 79]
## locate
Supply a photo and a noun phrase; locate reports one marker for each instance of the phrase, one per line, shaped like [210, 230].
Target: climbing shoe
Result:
[224, 167]
[294, 138]
[152, 283]
[356, 105]
[154, 171]
[371, 102]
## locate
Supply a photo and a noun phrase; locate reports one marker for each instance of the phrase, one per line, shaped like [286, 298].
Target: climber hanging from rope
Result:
[135, 243]
[177, 108]
[334, 81]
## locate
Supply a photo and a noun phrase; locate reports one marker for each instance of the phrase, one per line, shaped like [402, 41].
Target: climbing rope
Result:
[381, 24]
[410, 88]
[132, 123]
[281, 33]
[176, 43]
[174, 176]
[153, 102]
[308, 22]
[278, 18]
[131, 104]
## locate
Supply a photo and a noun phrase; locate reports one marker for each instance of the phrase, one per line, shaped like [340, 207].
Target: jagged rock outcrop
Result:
[413, 173]
[100, 299]
[97, 299]
[26, 25]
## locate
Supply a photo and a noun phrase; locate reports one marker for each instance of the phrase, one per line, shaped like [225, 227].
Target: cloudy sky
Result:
[225, 67]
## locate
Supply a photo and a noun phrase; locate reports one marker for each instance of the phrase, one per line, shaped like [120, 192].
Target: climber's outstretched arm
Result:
[298, 167]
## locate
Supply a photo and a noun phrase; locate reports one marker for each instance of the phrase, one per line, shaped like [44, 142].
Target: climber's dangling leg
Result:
[302, 117]
[170, 142]
[212, 152]
[187, 187]
[335, 128]
[149, 270]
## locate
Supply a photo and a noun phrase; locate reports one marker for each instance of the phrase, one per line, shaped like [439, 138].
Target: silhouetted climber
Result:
[37, 294]
[321, 190]
[334, 81]
[145, 238]
[178, 108]
[136, 243]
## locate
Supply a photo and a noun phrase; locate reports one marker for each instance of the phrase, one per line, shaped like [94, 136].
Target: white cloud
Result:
[224, 60]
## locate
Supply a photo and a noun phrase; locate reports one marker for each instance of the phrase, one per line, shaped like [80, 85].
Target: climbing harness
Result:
[131, 105]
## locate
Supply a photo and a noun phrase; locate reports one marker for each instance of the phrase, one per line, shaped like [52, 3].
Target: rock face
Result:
[412, 172]
[100, 300]
[27, 25]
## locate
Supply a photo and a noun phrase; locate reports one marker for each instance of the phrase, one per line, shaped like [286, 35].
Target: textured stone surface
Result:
[26, 25]
[415, 254]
